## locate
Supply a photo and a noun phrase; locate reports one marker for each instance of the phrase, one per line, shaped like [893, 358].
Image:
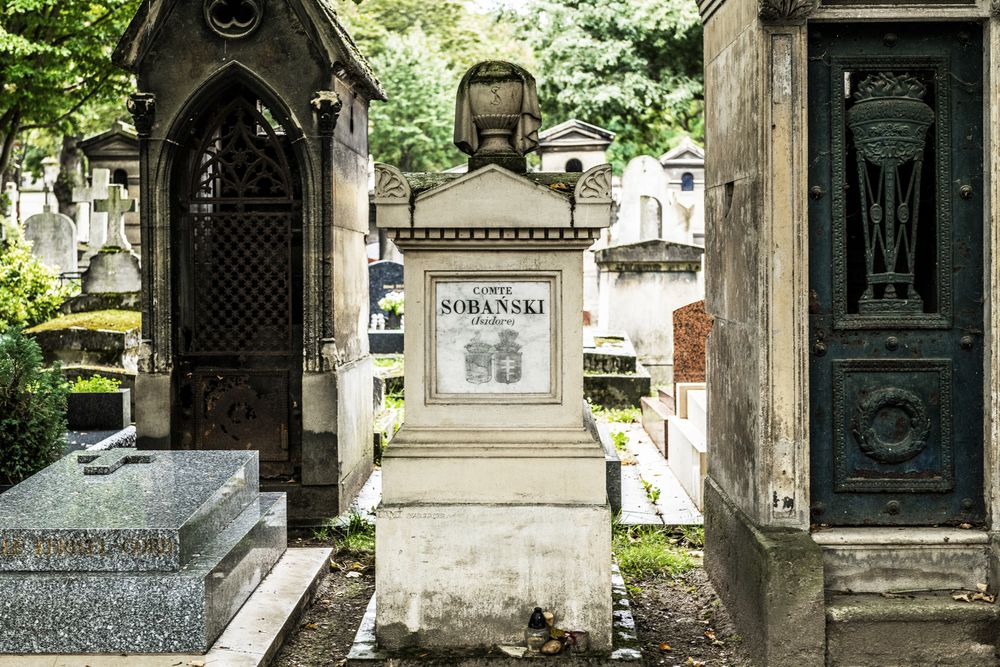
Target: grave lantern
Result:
[252, 122]
[494, 489]
[850, 180]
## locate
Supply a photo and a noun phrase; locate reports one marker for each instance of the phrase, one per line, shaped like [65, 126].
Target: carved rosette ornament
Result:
[889, 122]
[595, 184]
[891, 425]
[327, 105]
[142, 106]
[390, 185]
[233, 19]
[779, 11]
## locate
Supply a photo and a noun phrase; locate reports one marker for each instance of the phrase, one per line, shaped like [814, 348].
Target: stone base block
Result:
[452, 576]
[688, 456]
[144, 612]
[112, 272]
[771, 582]
[926, 630]
[887, 559]
[654, 421]
[617, 391]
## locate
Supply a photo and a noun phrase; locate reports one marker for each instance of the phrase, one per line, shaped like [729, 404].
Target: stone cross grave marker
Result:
[92, 227]
[53, 239]
[111, 460]
[116, 205]
[124, 551]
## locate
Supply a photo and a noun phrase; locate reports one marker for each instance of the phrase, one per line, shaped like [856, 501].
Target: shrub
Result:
[30, 292]
[32, 409]
[97, 384]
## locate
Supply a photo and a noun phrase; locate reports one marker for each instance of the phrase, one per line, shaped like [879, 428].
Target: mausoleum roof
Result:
[685, 154]
[331, 37]
[575, 133]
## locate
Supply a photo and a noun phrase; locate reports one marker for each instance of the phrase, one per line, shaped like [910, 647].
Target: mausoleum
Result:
[252, 124]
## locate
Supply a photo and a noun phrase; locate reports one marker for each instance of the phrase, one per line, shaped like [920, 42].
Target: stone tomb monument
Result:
[494, 490]
[853, 369]
[253, 160]
[53, 239]
[121, 551]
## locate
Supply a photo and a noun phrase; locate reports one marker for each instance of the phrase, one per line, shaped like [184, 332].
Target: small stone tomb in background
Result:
[126, 551]
[385, 336]
[53, 239]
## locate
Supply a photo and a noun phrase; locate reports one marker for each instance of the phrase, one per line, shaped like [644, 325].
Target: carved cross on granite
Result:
[111, 460]
[116, 206]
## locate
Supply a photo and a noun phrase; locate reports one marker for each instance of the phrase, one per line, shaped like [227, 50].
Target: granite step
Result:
[923, 630]
[150, 510]
[145, 612]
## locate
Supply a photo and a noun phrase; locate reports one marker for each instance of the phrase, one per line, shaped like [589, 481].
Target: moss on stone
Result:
[107, 320]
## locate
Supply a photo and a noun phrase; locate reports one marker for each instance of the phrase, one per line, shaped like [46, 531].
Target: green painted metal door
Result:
[896, 273]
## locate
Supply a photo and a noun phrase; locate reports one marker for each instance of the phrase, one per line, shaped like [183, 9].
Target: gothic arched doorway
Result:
[237, 251]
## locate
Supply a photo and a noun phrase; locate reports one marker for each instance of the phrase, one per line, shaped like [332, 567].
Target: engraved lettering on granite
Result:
[493, 335]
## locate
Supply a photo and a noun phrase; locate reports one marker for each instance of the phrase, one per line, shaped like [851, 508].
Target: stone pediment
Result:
[685, 154]
[575, 133]
[318, 18]
[493, 197]
[650, 255]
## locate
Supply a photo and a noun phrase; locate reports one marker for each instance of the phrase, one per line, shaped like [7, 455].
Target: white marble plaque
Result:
[493, 336]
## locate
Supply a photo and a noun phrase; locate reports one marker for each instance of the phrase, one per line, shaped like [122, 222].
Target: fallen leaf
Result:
[196, 663]
[710, 635]
[960, 597]
[965, 526]
[310, 626]
[982, 588]
[353, 575]
[357, 566]
[694, 663]
[984, 597]
[664, 646]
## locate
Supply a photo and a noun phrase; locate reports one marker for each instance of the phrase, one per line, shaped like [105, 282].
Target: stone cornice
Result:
[785, 11]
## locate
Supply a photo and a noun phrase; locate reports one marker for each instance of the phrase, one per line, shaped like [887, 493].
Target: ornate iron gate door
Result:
[896, 273]
[239, 301]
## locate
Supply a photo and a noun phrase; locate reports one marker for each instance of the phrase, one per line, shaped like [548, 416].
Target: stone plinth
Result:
[133, 551]
[495, 497]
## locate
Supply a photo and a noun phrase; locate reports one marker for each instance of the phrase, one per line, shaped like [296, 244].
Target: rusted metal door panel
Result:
[896, 273]
[238, 246]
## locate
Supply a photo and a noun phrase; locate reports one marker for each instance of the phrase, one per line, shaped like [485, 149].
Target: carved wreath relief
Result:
[889, 123]
[891, 425]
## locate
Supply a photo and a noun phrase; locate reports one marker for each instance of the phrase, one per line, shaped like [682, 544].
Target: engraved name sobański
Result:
[493, 336]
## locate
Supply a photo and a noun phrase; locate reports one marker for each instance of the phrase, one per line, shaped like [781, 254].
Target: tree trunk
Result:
[70, 170]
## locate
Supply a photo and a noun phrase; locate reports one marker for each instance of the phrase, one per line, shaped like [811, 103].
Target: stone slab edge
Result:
[770, 581]
[365, 653]
[251, 639]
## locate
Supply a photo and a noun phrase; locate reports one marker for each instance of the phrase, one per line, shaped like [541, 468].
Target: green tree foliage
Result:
[413, 130]
[632, 67]
[55, 65]
[30, 292]
[32, 409]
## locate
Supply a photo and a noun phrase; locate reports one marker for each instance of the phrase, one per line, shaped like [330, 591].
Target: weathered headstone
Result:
[53, 239]
[643, 197]
[132, 551]
[691, 328]
[495, 497]
[384, 277]
[115, 268]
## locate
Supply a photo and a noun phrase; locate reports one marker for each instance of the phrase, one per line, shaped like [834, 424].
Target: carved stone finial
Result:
[779, 11]
[327, 105]
[497, 115]
[390, 185]
[142, 106]
[595, 184]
